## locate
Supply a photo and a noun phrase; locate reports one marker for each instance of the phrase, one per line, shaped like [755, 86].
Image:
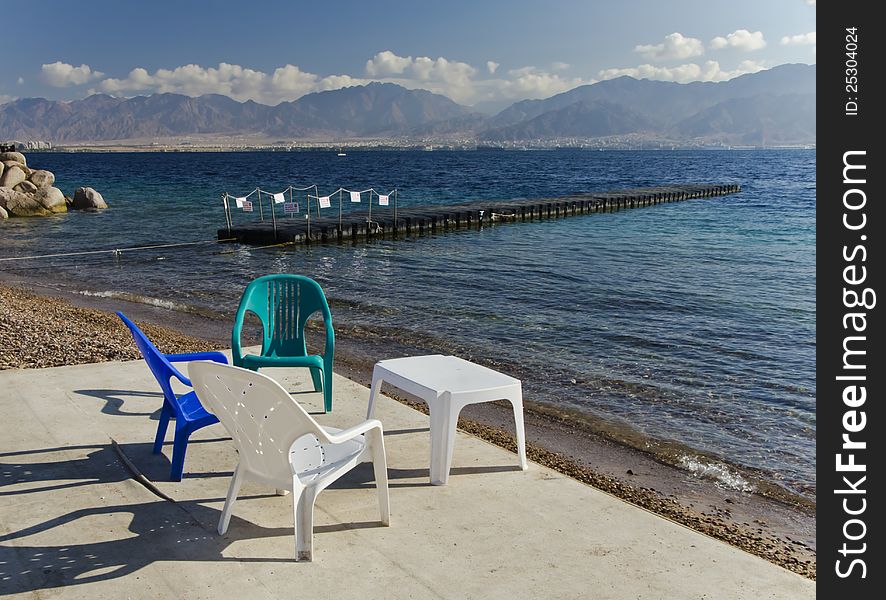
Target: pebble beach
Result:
[39, 331]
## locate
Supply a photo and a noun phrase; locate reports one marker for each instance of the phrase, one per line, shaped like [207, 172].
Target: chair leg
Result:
[303, 507]
[380, 467]
[233, 491]
[317, 378]
[327, 389]
[179, 448]
[165, 413]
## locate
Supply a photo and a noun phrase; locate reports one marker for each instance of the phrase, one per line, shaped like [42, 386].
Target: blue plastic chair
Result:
[189, 414]
[283, 304]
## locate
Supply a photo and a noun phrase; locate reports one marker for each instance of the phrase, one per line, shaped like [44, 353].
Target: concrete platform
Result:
[73, 523]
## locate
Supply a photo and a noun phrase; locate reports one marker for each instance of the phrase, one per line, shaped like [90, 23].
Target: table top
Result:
[440, 373]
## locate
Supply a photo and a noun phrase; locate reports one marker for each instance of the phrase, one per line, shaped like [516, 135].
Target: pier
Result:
[389, 222]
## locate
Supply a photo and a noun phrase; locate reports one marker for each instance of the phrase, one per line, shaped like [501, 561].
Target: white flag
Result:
[382, 200]
[279, 199]
[240, 202]
[355, 196]
[324, 201]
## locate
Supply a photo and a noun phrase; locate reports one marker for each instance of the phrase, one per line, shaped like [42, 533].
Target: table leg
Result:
[443, 424]
[517, 402]
[374, 391]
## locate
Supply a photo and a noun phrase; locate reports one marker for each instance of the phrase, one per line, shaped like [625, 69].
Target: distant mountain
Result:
[759, 120]
[579, 119]
[374, 109]
[774, 106]
[666, 102]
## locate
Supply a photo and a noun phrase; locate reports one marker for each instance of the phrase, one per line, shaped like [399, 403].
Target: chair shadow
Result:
[156, 467]
[115, 399]
[156, 531]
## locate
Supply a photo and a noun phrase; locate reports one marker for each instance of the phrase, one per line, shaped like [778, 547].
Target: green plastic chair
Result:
[283, 304]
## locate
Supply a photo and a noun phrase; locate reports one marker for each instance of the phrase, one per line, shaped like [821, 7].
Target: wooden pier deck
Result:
[420, 220]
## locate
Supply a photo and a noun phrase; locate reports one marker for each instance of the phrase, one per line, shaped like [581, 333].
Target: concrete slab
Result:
[74, 522]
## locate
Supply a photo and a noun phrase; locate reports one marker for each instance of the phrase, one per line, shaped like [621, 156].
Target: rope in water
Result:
[114, 250]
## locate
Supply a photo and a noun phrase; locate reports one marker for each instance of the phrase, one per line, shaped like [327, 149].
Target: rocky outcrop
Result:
[12, 176]
[42, 178]
[86, 198]
[31, 193]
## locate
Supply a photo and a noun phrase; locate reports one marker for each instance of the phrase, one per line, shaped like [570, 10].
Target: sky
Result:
[479, 53]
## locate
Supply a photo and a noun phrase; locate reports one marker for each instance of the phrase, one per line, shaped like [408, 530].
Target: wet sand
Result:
[57, 328]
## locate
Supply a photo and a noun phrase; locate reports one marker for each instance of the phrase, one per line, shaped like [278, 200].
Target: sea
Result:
[691, 323]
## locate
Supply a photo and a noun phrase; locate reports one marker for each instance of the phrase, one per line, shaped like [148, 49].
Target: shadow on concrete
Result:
[140, 533]
[115, 399]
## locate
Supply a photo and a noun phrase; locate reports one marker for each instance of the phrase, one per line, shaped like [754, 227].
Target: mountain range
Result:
[768, 107]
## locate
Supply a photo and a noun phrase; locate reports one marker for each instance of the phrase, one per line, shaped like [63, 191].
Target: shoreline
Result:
[781, 532]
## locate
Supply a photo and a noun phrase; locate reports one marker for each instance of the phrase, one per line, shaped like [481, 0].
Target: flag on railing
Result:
[355, 196]
[240, 202]
[382, 200]
[279, 198]
[324, 201]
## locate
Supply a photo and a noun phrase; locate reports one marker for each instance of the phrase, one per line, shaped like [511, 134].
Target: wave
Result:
[718, 472]
[152, 301]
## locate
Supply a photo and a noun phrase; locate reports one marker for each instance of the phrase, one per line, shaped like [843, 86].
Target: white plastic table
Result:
[448, 384]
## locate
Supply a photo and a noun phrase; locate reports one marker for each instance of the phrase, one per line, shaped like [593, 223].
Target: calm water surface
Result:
[692, 322]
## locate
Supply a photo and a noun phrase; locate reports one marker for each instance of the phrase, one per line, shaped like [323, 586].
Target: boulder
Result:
[26, 187]
[12, 163]
[52, 198]
[86, 198]
[15, 156]
[12, 176]
[3, 213]
[19, 204]
[42, 178]
[2, 166]
[5, 195]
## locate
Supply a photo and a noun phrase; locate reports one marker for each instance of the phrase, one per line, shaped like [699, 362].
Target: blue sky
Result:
[490, 51]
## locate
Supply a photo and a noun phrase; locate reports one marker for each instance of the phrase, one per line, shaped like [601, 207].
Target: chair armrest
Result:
[213, 356]
[352, 432]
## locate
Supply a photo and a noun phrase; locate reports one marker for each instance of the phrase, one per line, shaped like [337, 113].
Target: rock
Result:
[42, 178]
[5, 195]
[26, 187]
[19, 204]
[16, 156]
[12, 176]
[86, 198]
[52, 198]
[3, 213]
[2, 166]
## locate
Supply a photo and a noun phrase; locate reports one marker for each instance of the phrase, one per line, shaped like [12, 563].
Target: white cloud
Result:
[387, 63]
[21, 81]
[284, 83]
[491, 66]
[5, 98]
[709, 71]
[810, 2]
[741, 39]
[529, 82]
[559, 66]
[59, 74]
[801, 39]
[674, 47]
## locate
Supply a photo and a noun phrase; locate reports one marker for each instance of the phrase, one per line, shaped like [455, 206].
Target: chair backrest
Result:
[261, 417]
[284, 303]
[161, 368]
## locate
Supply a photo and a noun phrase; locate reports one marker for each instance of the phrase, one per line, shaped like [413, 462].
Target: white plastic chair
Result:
[280, 445]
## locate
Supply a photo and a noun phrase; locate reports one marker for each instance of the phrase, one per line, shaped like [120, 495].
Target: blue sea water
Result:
[692, 321]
